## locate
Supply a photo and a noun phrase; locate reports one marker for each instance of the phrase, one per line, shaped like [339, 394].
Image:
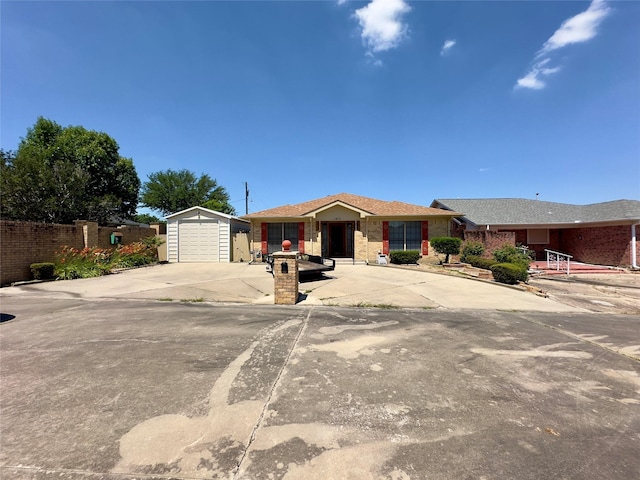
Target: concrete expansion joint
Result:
[272, 390]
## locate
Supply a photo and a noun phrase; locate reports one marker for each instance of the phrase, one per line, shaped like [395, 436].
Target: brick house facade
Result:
[601, 234]
[348, 226]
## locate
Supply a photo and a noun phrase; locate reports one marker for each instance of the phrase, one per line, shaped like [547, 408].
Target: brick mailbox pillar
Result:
[285, 275]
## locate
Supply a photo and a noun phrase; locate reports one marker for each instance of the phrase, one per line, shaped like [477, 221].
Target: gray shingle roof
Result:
[521, 211]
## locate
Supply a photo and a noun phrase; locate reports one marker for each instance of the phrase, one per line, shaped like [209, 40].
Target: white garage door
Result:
[198, 241]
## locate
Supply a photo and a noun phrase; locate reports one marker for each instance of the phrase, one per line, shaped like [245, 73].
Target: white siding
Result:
[172, 241]
[224, 241]
[200, 235]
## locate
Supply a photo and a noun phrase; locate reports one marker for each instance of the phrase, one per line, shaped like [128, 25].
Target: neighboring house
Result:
[202, 235]
[348, 226]
[600, 233]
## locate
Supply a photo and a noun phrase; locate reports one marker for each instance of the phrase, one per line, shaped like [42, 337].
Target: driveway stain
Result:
[232, 441]
[197, 446]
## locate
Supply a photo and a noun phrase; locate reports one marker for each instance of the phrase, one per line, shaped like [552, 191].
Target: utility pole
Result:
[246, 198]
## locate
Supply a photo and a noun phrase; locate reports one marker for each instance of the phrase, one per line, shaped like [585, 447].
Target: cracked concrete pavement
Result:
[116, 388]
[139, 375]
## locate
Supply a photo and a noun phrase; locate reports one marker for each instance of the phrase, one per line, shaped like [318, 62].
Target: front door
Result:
[337, 239]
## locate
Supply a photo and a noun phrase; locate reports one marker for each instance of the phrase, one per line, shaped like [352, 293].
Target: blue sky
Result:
[395, 100]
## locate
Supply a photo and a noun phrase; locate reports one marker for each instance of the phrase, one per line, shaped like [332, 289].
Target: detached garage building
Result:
[202, 235]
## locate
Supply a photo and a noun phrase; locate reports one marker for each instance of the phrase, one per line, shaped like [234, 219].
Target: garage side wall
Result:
[172, 240]
[224, 240]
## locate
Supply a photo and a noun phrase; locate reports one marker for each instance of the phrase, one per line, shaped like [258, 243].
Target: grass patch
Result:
[192, 300]
[384, 306]
[165, 299]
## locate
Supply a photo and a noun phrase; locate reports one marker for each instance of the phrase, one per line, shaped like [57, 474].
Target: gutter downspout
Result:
[634, 258]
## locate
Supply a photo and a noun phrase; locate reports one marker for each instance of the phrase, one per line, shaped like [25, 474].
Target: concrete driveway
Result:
[348, 285]
[114, 388]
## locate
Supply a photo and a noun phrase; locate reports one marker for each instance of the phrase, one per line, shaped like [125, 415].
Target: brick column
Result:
[285, 276]
[89, 232]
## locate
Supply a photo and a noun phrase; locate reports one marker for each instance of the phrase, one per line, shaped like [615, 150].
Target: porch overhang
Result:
[338, 203]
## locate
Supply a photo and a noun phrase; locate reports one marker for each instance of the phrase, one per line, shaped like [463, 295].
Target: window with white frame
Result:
[405, 235]
[278, 232]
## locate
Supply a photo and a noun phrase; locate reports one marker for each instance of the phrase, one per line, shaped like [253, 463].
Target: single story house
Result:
[198, 234]
[348, 226]
[599, 233]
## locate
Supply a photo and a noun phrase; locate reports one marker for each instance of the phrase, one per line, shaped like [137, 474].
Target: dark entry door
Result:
[338, 239]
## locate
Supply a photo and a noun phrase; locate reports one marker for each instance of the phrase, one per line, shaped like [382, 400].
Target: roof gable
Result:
[366, 206]
[204, 210]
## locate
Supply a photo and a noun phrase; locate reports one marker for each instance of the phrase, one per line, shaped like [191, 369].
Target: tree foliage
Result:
[171, 191]
[446, 245]
[145, 218]
[61, 174]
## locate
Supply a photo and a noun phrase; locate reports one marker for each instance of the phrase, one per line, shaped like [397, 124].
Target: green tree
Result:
[61, 174]
[446, 245]
[145, 218]
[171, 191]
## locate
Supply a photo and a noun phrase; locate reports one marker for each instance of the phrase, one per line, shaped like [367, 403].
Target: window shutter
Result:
[425, 238]
[385, 238]
[264, 236]
[301, 237]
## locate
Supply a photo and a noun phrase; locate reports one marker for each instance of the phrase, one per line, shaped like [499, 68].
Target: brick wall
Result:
[491, 239]
[24, 243]
[599, 245]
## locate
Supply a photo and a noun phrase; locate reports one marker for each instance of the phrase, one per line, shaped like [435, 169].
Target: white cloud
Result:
[382, 25]
[579, 28]
[448, 45]
[533, 79]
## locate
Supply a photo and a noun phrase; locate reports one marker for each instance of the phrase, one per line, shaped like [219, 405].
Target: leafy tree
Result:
[446, 245]
[61, 174]
[171, 191]
[146, 218]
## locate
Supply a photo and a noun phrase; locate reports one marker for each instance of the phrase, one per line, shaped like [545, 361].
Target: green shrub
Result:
[42, 271]
[480, 262]
[511, 254]
[509, 273]
[134, 255]
[73, 263]
[404, 256]
[471, 249]
[446, 246]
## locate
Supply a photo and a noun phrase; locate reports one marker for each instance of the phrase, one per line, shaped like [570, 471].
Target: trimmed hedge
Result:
[509, 273]
[471, 249]
[446, 245]
[42, 271]
[480, 262]
[404, 256]
[511, 254]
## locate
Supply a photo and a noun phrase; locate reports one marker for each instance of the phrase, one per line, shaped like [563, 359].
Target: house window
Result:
[279, 232]
[404, 236]
[538, 236]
